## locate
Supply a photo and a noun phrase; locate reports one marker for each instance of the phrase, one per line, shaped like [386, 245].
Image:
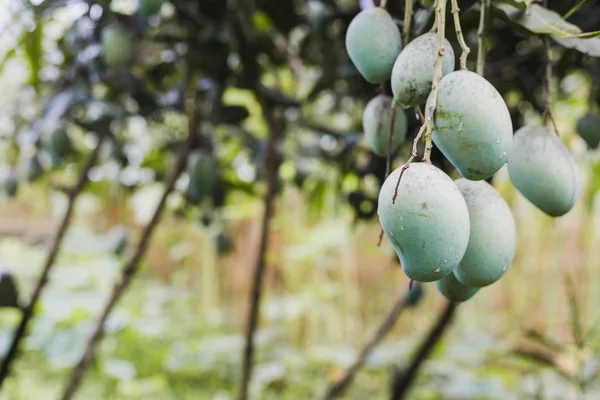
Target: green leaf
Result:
[540, 20]
[32, 44]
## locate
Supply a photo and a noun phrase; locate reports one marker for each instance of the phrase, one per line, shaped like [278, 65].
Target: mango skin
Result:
[117, 46]
[493, 237]
[149, 7]
[472, 125]
[413, 70]
[544, 171]
[453, 290]
[376, 125]
[373, 42]
[588, 127]
[428, 225]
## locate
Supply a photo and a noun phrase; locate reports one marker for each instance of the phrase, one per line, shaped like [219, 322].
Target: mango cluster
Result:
[460, 234]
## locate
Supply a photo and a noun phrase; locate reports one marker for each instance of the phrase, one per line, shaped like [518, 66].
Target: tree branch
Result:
[271, 167]
[386, 326]
[131, 267]
[29, 311]
[404, 381]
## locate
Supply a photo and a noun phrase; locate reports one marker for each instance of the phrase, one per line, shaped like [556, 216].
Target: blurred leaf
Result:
[9, 297]
[34, 52]
[540, 20]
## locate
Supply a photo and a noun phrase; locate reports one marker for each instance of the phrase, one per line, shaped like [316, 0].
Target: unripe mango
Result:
[373, 42]
[413, 70]
[493, 237]
[202, 170]
[588, 127]
[472, 125]
[10, 185]
[117, 46]
[543, 170]
[376, 124]
[149, 7]
[453, 290]
[57, 142]
[429, 223]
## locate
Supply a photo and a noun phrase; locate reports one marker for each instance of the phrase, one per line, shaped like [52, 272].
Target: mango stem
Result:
[463, 45]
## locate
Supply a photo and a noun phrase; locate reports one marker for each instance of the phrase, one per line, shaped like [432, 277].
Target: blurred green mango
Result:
[149, 7]
[588, 127]
[117, 46]
[202, 170]
[376, 125]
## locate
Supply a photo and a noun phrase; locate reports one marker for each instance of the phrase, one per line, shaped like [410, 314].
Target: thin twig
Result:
[271, 167]
[481, 37]
[459, 35]
[574, 9]
[408, 15]
[403, 381]
[576, 328]
[29, 311]
[548, 85]
[384, 328]
[131, 267]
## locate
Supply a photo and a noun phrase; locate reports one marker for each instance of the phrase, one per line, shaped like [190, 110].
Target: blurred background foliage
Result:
[177, 333]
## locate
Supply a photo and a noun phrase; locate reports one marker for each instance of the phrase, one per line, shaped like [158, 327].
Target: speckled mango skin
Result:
[453, 290]
[373, 42]
[543, 170]
[472, 125]
[493, 237]
[588, 127]
[413, 70]
[376, 125]
[428, 225]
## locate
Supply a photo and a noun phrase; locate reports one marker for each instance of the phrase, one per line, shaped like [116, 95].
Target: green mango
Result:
[472, 125]
[117, 46]
[373, 42]
[376, 125]
[149, 7]
[429, 223]
[414, 295]
[413, 70]
[202, 170]
[453, 290]
[588, 127]
[493, 237]
[318, 15]
[543, 170]
[10, 184]
[29, 168]
[57, 142]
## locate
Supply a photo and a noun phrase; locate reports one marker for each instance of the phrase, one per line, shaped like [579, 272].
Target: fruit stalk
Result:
[131, 267]
[437, 76]
[463, 45]
[408, 14]
[29, 310]
[481, 37]
[386, 326]
[404, 381]
[383, 3]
